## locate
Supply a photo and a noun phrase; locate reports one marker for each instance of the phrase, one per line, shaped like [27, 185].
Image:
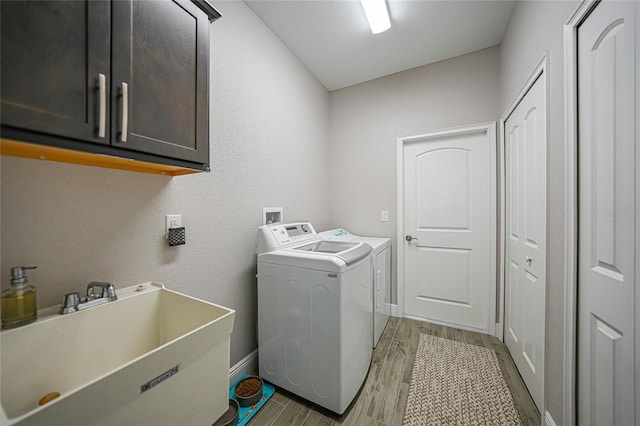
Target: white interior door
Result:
[525, 237]
[607, 215]
[450, 224]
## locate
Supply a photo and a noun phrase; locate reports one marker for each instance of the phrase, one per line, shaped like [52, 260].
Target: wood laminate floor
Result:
[383, 397]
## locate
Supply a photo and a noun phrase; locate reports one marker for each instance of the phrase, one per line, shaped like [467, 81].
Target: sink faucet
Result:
[97, 294]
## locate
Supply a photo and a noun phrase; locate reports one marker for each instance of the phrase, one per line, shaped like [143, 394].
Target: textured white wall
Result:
[536, 27]
[269, 121]
[366, 120]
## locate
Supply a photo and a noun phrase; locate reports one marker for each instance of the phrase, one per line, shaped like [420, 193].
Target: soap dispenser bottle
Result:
[19, 306]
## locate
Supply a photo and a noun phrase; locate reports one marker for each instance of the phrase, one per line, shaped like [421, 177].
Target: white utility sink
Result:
[152, 357]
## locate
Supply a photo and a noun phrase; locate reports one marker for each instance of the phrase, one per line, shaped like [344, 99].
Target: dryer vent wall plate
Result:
[272, 215]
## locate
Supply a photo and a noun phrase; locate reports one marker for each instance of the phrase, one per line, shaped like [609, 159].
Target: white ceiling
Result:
[332, 37]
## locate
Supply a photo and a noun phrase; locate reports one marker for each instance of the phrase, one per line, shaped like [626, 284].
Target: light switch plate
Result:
[384, 216]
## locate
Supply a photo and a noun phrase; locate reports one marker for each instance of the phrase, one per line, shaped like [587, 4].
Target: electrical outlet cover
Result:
[172, 221]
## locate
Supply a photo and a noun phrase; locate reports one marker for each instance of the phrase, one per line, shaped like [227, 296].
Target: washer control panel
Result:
[292, 232]
[274, 236]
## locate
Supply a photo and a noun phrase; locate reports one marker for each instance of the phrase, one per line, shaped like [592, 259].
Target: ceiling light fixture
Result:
[377, 15]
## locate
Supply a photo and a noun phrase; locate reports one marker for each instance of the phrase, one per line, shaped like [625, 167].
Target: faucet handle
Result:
[111, 293]
[70, 303]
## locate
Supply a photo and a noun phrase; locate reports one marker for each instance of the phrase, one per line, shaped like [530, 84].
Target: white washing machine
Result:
[314, 315]
[380, 275]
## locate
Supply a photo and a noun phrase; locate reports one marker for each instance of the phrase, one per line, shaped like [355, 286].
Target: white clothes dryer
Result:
[314, 315]
[380, 275]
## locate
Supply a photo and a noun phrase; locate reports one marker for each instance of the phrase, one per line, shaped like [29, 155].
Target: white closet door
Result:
[525, 266]
[607, 216]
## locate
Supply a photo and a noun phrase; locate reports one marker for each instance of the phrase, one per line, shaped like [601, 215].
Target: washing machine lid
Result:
[320, 255]
[327, 246]
[339, 234]
[349, 252]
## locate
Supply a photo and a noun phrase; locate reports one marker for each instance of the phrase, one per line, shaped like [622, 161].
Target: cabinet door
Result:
[160, 78]
[55, 55]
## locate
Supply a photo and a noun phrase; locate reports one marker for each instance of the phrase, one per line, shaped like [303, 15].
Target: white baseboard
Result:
[548, 420]
[247, 365]
[394, 311]
[499, 332]
[447, 324]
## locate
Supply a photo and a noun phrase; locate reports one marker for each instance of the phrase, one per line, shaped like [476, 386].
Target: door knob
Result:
[410, 238]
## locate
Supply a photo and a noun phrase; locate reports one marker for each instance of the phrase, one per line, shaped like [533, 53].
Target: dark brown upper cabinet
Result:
[126, 79]
[54, 56]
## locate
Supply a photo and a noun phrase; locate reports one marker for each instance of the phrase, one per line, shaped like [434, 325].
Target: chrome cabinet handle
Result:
[410, 238]
[125, 112]
[102, 114]
[102, 109]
